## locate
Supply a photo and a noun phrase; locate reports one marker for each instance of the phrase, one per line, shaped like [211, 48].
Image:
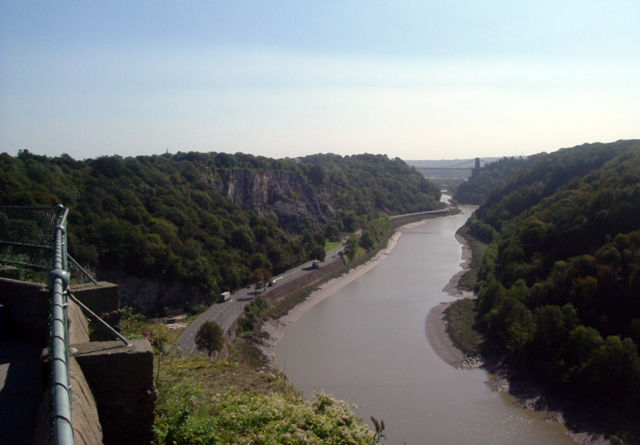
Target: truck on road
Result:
[225, 296]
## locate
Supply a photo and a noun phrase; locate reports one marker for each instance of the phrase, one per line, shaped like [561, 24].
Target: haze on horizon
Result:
[416, 80]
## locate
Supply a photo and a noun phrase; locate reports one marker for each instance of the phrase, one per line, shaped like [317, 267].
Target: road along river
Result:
[366, 344]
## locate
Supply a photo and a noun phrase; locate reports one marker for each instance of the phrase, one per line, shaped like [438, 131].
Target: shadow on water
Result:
[594, 423]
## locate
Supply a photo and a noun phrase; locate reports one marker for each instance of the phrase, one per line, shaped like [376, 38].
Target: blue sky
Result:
[418, 80]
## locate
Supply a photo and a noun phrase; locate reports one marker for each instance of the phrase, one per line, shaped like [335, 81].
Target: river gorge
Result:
[366, 344]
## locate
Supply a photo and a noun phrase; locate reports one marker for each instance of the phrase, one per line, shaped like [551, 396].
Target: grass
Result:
[461, 319]
[201, 401]
[173, 335]
[330, 245]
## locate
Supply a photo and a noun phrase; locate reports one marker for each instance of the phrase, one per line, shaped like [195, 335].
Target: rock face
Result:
[148, 294]
[285, 194]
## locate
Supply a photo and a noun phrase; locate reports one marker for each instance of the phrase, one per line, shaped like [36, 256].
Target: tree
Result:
[351, 247]
[209, 337]
[261, 277]
[318, 253]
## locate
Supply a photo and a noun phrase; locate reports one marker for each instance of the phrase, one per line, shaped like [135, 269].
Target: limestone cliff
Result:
[286, 194]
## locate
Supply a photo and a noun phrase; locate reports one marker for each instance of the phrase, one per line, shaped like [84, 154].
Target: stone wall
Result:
[26, 310]
[121, 380]
[86, 424]
[285, 288]
[26, 316]
[104, 300]
[101, 298]
[112, 385]
[118, 379]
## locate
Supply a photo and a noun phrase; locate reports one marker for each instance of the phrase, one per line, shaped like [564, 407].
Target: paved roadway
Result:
[226, 313]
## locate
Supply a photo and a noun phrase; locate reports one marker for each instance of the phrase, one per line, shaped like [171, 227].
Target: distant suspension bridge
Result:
[468, 167]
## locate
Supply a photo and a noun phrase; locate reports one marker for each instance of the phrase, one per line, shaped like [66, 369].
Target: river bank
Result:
[502, 378]
[436, 324]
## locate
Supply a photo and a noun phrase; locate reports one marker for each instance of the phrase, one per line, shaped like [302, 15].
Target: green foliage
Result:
[482, 231]
[492, 176]
[364, 185]
[252, 317]
[221, 402]
[261, 277]
[559, 288]
[351, 247]
[330, 245]
[207, 220]
[132, 325]
[209, 337]
[374, 231]
[478, 249]
[240, 418]
[461, 326]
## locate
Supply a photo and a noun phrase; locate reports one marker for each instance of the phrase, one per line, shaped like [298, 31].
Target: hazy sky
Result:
[418, 80]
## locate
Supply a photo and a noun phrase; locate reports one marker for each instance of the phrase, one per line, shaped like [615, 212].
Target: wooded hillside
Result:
[207, 221]
[560, 284]
[491, 177]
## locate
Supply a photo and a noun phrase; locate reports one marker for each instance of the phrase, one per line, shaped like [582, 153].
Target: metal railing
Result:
[59, 339]
[34, 238]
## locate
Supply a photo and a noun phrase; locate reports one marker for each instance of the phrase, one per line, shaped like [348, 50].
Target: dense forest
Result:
[559, 289]
[494, 175]
[203, 222]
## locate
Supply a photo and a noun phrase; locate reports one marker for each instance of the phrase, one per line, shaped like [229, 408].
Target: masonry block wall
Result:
[112, 384]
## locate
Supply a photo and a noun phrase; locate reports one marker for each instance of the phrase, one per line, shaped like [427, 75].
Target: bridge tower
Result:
[476, 168]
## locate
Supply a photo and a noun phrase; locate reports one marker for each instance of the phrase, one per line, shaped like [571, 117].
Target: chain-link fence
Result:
[27, 239]
[34, 239]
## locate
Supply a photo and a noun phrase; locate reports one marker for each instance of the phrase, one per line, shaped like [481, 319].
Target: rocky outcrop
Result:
[286, 194]
[149, 295]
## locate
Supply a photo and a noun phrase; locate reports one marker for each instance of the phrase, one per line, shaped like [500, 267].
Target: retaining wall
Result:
[112, 385]
[285, 288]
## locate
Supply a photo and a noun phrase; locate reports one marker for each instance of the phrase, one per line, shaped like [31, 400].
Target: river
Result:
[366, 344]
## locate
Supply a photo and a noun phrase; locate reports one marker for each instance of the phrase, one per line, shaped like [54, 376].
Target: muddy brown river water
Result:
[366, 344]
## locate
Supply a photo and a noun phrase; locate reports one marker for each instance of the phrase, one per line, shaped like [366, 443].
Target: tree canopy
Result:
[208, 220]
[559, 289]
[494, 175]
[209, 337]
